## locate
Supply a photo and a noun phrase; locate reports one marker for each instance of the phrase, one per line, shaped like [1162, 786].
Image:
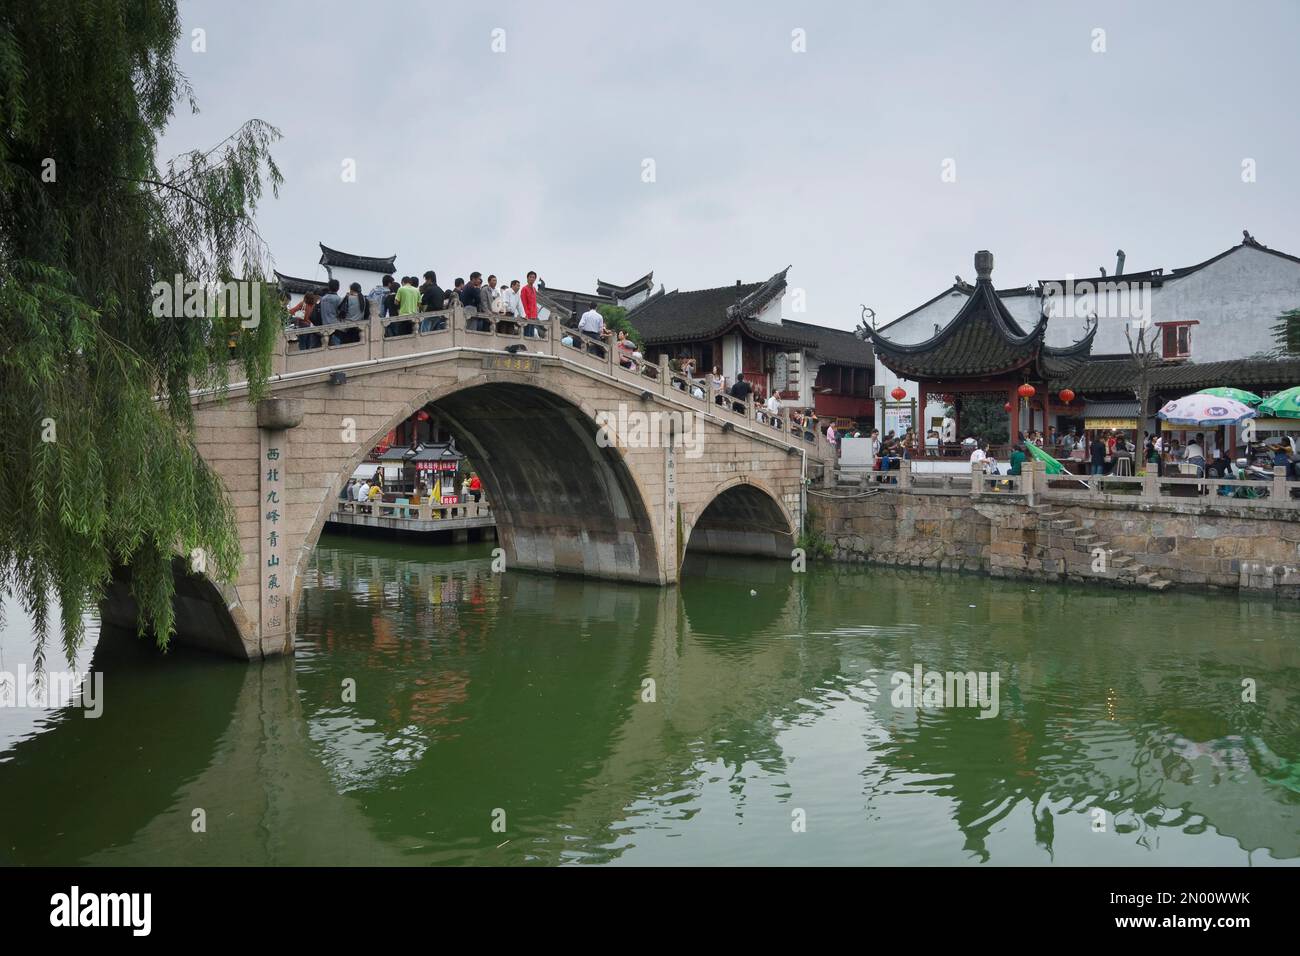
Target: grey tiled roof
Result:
[687, 316]
[838, 346]
[982, 339]
[1117, 373]
[346, 260]
[1111, 409]
[295, 286]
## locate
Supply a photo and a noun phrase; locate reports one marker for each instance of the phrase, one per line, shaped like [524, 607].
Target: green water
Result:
[502, 719]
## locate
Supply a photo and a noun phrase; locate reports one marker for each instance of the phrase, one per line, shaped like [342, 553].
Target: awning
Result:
[437, 452]
[1111, 410]
[367, 469]
[1110, 415]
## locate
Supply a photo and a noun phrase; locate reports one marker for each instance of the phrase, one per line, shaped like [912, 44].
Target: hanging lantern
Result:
[422, 415]
[1067, 395]
[1007, 407]
[898, 393]
[1025, 391]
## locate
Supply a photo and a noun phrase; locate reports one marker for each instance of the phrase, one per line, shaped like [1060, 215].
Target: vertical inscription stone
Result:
[273, 570]
[670, 506]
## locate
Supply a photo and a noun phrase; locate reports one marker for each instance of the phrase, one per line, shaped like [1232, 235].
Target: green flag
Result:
[1054, 467]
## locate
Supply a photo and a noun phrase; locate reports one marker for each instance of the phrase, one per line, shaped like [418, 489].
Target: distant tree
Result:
[1286, 333]
[985, 419]
[1146, 359]
[97, 462]
[615, 317]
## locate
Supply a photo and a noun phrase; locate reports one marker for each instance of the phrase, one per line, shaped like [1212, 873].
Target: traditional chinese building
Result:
[1106, 386]
[1223, 308]
[985, 352]
[740, 329]
[607, 293]
[344, 266]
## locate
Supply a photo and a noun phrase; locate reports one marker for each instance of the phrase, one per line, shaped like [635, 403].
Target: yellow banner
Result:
[1121, 423]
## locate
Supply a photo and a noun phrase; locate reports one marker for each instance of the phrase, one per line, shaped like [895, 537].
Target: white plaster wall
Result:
[368, 280]
[1236, 300]
[772, 311]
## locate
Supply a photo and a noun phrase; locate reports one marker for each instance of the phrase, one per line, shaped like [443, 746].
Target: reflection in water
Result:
[430, 697]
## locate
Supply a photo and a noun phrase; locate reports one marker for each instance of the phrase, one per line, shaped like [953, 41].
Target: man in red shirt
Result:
[528, 296]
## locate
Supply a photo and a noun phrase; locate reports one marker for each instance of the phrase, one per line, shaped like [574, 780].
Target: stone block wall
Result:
[1191, 545]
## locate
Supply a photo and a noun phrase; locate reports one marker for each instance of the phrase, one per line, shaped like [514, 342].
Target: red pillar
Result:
[1014, 399]
[919, 426]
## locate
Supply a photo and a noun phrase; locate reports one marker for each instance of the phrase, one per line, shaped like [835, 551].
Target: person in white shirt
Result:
[363, 491]
[773, 409]
[978, 456]
[592, 324]
[510, 300]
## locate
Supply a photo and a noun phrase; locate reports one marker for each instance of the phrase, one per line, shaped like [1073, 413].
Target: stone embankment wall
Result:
[1148, 546]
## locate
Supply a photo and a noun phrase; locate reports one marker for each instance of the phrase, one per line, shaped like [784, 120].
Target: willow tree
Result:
[98, 467]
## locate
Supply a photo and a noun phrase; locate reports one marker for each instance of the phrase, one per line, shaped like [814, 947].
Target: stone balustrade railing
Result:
[320, 348]
[1034, 484]
[425, 510]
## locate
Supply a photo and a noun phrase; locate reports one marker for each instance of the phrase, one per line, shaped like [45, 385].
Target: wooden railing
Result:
[378, 339]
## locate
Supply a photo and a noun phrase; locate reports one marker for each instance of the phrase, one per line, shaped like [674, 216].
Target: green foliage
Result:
[1286, 333]
[615, 317]
[984, 418]
[97, 461]
[813, 542]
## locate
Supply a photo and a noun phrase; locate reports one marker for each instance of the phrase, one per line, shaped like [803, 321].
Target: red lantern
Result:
[1025, 391]
[1007, 407]
[422, 415]
[898, 393]
[1067, 395]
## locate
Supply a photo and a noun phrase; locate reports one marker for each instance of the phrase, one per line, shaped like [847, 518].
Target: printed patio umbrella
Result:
[1205, 411]
[1282, 405]
[1240, 394]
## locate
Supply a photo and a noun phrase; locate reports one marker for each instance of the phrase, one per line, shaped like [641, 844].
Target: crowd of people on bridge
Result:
[393, 298]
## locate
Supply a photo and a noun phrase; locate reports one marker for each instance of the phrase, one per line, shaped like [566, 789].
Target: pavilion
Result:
[985, 353]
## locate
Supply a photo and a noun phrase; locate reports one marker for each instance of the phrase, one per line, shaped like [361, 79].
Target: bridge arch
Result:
[744, 517]
[562, 502]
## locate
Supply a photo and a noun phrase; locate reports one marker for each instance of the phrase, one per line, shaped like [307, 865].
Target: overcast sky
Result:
[829, 159]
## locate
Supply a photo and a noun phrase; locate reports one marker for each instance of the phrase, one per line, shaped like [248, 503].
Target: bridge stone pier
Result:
[592, 468]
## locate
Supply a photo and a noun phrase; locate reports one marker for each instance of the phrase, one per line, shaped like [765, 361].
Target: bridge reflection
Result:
[476, 691]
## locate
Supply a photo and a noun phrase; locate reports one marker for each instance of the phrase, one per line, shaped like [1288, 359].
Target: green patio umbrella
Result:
[1240, 394]
[1282, 405]
[1054, 467]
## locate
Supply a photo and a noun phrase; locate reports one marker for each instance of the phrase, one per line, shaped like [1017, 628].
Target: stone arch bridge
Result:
[592, 468]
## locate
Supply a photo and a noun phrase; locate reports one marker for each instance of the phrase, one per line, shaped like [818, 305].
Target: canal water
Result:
[439, 713]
